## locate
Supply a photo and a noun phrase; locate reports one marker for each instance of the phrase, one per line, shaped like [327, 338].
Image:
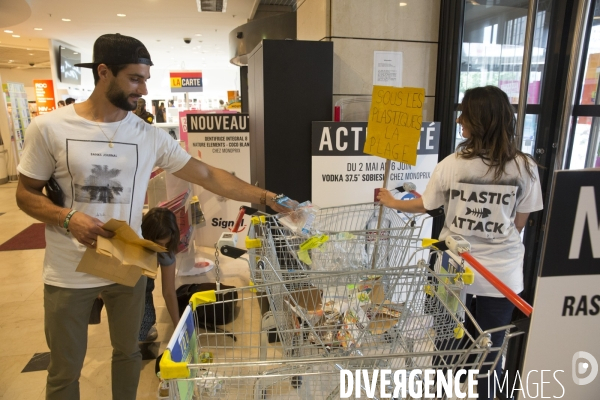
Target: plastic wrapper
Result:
[347, 314]
[342, 252]
[210, 387]
[287, 202]
[302, 220]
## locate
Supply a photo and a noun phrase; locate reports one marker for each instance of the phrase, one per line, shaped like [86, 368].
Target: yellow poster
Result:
[394, 125]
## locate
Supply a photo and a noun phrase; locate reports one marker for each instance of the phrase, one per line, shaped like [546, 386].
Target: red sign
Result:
[44, 95]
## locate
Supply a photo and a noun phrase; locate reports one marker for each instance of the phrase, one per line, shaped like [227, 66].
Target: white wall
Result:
[216, 84]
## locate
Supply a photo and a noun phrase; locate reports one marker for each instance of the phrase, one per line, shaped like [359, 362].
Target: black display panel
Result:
[68, 72]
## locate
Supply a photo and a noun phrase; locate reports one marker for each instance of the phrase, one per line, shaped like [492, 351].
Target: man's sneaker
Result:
[152, 334]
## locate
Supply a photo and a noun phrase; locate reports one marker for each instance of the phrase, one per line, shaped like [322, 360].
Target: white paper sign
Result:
[223, 141]
[342, 174]
[387, 68]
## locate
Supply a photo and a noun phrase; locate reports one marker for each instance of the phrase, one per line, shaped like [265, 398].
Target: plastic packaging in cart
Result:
[285, 201]
[209, 386]
[301, 220]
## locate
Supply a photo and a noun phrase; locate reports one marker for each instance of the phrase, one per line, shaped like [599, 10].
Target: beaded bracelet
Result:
[68, 219]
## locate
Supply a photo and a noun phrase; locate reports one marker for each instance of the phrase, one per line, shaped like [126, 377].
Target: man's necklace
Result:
[110, 140]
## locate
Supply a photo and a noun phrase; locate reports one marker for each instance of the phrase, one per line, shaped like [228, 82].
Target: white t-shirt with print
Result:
[96, 179]
[483, 212]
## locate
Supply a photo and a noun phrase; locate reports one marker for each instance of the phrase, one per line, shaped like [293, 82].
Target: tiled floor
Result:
[22, 323]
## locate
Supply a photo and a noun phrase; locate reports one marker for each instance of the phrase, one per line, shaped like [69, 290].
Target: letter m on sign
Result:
[586, 213]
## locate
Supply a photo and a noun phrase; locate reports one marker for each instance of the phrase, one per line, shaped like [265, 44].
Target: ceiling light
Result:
[198, 34]
[37, 29]
[8, 31]
[16, 35]
[75, 52]
[66, 19]
[30, 54]
[402, 4]
[121, 15]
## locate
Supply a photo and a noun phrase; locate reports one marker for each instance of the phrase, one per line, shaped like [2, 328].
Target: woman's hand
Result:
[386, 198]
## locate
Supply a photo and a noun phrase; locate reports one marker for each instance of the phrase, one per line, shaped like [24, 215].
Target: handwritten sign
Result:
[394, 125]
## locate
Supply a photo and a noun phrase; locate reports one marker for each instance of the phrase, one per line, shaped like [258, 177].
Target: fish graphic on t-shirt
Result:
[479, 212]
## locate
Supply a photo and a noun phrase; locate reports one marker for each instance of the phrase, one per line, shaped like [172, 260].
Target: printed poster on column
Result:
[221, 140]
[342, 174]
[44, 95]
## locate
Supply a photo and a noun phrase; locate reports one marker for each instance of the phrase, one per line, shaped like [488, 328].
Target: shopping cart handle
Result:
[437, 212]
[243, 211]
[232, 252]
[498, 284]
[483, 271]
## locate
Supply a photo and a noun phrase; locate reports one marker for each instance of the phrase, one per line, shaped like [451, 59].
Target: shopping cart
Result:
[397, 318]
[349, 239]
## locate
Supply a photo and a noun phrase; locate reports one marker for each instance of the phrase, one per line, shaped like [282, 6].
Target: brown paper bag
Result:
[124, 258]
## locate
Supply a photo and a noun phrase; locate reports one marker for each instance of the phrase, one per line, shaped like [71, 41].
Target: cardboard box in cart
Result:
[369, 295]
[124, 258]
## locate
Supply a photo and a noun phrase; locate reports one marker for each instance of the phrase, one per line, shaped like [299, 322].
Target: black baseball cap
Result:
[115, 49]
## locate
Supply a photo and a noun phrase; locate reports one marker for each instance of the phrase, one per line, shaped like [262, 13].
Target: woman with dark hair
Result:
[488, 188]
[160, 226]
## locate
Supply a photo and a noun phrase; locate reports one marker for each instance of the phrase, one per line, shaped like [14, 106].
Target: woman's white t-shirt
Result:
[96, 179]
[483, 212]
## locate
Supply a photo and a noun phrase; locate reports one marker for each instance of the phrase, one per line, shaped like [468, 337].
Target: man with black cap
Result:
[100, 156]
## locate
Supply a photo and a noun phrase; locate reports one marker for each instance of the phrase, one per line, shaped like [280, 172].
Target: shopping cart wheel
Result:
[296, 382]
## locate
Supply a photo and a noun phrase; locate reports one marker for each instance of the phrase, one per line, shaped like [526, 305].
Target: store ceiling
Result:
[160, 24]
[12, 57]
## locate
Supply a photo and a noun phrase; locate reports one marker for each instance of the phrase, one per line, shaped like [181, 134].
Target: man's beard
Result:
[118, 98]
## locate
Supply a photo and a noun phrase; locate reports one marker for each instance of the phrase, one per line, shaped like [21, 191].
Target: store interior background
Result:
[489, 51]
[162, 26]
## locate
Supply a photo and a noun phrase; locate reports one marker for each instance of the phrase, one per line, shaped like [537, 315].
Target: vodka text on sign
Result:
[394, 124]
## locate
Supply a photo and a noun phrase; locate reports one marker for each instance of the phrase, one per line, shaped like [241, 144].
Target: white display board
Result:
[387, 68]
[563, 338]
[342, 174]
[223, 141]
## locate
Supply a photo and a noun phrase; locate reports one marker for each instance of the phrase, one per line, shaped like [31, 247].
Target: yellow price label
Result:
[176, 82]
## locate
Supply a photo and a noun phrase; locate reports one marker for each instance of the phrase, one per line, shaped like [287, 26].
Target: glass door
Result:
[583, 147]
[492, 54]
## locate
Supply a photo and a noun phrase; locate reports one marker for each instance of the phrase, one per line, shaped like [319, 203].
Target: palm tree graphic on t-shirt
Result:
[101, 184]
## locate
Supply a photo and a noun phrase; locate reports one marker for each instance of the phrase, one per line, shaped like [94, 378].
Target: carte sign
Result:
[221, 140]
[395, 123]
[186, 81]
[44, 95]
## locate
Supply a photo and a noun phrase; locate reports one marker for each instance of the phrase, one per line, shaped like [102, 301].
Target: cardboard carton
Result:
[124, 258]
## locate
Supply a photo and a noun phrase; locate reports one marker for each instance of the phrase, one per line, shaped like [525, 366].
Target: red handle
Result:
[239, 219]
[498, 284]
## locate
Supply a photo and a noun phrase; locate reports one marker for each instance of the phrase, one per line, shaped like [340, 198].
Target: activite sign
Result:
[186, 81]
